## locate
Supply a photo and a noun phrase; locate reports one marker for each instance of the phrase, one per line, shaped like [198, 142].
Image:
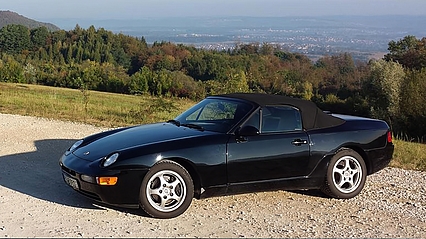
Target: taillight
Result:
[389, 137]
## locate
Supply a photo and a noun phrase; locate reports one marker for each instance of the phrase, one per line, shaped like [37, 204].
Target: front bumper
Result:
[124, 194]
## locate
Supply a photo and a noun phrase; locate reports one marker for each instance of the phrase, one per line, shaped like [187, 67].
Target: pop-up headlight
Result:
[110, 160]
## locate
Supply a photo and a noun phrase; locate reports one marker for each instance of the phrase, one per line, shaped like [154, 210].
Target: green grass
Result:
[409, 155]
[102, 109]
[115, 110]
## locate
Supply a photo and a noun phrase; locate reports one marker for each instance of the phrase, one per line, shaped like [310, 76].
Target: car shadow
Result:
[133, 211]
[312, 192]
[38, 174]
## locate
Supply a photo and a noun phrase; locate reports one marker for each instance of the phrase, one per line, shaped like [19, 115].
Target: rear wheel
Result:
[167, 190]
[346, 175]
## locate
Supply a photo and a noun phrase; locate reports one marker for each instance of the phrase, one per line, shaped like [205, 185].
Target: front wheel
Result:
[346, 175]
[167, 190]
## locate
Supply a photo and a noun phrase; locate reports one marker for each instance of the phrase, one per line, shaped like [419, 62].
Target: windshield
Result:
[215, 114]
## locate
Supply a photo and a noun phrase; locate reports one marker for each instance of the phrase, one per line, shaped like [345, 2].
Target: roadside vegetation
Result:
[409, 155]
[117, 110]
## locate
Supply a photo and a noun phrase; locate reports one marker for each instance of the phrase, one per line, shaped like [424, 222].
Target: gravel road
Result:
[35, 202]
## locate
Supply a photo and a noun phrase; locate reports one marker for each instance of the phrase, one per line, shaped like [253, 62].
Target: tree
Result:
[266, 49]
[409, 51]
[249, 49]
[30, 73]
[338, 74]
[11, 70]
[14, 39]
[185, 86]
[413, 108]
[196, 67]
[139, 81]
[59, 36]
[382, 89]
[237, 82]
[70, 54]
[39, 37]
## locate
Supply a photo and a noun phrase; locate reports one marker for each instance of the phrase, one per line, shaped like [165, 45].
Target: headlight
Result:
[75, 145]
[88, 178]
[110, 160]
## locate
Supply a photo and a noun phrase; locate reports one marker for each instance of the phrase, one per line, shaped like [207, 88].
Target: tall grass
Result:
[97, 108]
[409, 155]
[115, 110]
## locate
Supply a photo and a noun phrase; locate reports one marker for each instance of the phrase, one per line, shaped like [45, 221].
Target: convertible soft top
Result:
[312, 116]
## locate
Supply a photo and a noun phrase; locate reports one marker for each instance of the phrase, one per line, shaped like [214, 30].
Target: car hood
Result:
[132, 137]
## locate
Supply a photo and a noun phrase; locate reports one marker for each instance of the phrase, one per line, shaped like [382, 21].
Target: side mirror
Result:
[248, 131]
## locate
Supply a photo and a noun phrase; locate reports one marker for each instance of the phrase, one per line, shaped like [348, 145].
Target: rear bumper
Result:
[379, 159]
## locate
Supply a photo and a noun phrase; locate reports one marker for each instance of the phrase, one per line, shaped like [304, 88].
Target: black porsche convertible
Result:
[228, 144]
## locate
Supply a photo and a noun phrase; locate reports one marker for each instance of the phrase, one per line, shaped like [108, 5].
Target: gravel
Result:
[35, 202]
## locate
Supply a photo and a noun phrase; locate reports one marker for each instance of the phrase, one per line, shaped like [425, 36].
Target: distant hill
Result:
[8, 18]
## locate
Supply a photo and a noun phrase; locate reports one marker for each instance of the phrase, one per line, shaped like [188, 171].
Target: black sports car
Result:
[228, 144]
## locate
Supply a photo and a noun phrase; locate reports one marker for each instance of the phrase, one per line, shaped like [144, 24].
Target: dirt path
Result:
[35, 202]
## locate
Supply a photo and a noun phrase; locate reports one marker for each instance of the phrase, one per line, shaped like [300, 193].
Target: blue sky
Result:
[134, 9]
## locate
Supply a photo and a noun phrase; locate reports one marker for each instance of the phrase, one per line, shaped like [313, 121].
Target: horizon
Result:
[188, 21]
[408, 22]
[43, 10]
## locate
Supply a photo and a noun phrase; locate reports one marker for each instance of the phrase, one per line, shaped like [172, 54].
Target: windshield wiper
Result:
[193, 126]
[175, 122]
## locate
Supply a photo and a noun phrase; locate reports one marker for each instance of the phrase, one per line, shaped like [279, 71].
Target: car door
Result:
[280, 150]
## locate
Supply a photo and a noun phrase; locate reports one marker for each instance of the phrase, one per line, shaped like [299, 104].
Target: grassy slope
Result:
[113, 110]
[103, 109]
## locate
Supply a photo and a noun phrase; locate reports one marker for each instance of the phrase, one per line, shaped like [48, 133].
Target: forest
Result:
[392, 88]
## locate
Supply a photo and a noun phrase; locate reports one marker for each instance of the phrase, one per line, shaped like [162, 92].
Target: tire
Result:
[346, 175]
[166, 191]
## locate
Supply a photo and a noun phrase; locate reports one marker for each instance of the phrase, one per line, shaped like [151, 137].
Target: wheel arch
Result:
[361, 152]
[347, 184]
[190, 167]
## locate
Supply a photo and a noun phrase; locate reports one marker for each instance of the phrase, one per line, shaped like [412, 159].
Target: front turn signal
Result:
[108, 181]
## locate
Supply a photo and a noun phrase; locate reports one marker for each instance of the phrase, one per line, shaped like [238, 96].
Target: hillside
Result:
[8, 17]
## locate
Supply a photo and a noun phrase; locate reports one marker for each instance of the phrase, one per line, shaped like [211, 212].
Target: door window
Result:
[277, 119]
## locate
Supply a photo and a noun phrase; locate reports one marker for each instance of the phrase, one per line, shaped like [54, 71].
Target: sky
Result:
[137, 9]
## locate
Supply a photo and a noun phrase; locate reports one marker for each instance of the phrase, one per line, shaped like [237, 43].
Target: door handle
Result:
[241, 139]
[299, 142]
